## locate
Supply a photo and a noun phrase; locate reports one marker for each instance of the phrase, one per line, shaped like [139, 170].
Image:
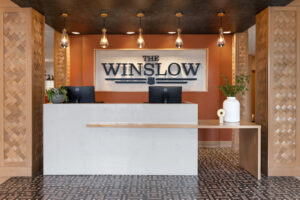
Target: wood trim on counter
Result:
[201, 124]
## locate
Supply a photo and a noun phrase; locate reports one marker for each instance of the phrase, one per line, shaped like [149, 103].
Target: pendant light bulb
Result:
[64, 41]
[221, 40]
[104, 41]
[179, 41]
[140, 40]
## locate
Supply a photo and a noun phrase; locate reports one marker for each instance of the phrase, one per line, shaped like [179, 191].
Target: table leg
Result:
[250, 151]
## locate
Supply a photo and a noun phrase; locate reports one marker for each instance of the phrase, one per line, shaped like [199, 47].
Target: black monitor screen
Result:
[160, 94]
[82, 94]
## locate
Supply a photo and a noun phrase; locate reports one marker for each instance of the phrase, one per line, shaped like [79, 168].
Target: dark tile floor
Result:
[219, 178]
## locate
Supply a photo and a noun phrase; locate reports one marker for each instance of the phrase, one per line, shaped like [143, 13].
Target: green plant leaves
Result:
[51, 93]
[241, 82]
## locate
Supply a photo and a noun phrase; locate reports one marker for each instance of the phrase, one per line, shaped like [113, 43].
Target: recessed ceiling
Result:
[199, 15]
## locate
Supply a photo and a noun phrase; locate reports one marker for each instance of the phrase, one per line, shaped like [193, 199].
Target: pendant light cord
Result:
[104, 22]
[140, 22]
[221, 22]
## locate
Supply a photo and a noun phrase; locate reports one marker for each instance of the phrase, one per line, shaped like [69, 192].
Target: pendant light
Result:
[64, 40]
[221, 40]
[178, 41]
[104, 41]
[140, 41]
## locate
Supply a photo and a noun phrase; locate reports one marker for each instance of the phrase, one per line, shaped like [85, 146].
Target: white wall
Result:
[49, 55]
[251, 40]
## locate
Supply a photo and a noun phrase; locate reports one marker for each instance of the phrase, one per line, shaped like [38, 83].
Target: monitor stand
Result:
[165, 95]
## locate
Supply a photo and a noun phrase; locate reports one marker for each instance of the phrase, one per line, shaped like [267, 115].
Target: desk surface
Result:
[201, 124]
[216, 124]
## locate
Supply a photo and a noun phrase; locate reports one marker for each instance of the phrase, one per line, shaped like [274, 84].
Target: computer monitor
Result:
[161, 94]
[81, 94]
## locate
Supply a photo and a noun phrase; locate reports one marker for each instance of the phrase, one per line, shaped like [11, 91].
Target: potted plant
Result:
[231, 105]
[57, 95]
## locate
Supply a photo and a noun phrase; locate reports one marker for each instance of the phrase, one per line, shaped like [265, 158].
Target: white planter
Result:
[232, 109]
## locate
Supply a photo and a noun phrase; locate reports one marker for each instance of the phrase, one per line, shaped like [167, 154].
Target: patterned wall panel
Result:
[261, 83]
[283, 87]
[277, 33]
[22, 93]
[240, 66]
[234, 58]
[14, 89]
[61, 63]
[38, 89]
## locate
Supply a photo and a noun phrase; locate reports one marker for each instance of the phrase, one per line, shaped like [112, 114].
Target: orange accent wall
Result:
[219, 62]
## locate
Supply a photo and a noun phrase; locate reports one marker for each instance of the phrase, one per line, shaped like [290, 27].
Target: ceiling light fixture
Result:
[172, 32]
[64, 40]
[140, 40]
[221, 40]
[227, 32]
[104, 41]
[178, 41]
[130, 32]
[75, 33]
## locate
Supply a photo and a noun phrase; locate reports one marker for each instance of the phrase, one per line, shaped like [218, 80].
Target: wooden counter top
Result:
[201, 124]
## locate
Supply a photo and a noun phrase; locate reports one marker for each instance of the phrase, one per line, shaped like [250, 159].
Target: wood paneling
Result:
[61, 62]
[22, 91]
[283, 85]
[15, 89]
[8, 4]
[38, 91]
[250, 150]
[261, 83]
[240, 66]
[201, 124]
[277, 89]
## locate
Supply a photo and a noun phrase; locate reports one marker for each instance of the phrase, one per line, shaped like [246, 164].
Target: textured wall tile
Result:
[283, 73]
[15, 62]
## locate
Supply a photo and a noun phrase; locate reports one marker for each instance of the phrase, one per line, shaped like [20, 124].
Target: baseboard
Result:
[214, 144]
[15, 171]
[284, 171]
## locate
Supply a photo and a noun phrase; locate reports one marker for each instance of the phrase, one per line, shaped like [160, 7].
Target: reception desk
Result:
[75, 144]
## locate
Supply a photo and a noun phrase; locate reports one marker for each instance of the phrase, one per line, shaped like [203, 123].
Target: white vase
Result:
[232, 109]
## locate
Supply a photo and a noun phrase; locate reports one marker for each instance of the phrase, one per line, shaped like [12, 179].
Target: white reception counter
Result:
[73, 147]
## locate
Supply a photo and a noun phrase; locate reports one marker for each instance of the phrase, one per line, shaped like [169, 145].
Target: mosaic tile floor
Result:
[219, 178]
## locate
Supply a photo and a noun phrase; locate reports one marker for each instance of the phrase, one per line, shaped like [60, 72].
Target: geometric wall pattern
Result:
[61, 62]
[240, 66]
[283, 76]
[15, 97]
[277, 88]
[22, 91]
